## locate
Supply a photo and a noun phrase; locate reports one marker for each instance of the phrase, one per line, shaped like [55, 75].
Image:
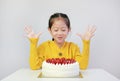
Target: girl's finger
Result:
[88, 29]
[28, 29]
[93, 29]
[91, 36]
[39, 34]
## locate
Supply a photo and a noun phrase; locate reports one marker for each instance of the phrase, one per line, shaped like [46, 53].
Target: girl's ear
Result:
[69, 30]
[49, 30]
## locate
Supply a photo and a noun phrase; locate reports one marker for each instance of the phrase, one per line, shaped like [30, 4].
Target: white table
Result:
[88, 75]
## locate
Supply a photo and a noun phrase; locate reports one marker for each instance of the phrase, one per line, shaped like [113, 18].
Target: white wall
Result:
[15, 14]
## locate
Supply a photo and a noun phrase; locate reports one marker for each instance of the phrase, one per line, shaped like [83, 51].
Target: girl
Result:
[59, 28]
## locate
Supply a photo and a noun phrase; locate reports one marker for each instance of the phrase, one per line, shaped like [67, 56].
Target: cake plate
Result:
[79, 76]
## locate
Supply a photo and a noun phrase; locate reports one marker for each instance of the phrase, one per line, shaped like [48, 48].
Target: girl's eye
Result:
[63, 30]
[55, 30]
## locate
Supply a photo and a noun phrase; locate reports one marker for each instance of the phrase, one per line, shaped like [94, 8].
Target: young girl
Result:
[59, 28]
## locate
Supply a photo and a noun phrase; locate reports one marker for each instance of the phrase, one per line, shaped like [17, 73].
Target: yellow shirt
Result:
[49, 49]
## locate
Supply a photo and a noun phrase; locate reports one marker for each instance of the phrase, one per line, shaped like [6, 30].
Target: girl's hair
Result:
[58, 16]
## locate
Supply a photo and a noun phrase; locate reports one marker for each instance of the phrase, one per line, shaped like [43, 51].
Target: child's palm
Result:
[88, 34]
[30, 33]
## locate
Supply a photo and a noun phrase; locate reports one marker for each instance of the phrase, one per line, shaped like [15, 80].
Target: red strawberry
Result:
[57, 60]
[63, 59]
[52, 60]
[72, 61]
[48, 60]
[60, 61]
[65, 62]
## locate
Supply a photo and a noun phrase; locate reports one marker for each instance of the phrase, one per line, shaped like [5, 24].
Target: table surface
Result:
[27, 74]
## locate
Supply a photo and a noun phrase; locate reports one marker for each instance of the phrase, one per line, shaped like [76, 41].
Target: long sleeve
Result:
[35, 59]
[83, 57]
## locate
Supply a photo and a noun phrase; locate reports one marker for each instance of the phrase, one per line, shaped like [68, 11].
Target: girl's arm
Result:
[83, 57]
[35, 59]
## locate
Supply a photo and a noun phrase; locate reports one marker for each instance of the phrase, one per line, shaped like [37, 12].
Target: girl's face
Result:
[59, 31]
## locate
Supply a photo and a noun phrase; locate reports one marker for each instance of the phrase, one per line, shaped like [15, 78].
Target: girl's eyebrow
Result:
[63, 27]
[55, 27]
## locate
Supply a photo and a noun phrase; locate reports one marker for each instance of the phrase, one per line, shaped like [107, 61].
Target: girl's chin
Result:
[60, 41]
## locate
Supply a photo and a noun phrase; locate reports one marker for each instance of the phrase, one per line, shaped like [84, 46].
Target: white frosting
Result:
[58, 70]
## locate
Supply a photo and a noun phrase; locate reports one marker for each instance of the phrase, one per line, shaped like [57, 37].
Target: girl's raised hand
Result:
[89, 33]
[30, 33]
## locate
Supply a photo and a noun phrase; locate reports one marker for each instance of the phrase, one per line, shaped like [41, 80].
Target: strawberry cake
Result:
[60, 67]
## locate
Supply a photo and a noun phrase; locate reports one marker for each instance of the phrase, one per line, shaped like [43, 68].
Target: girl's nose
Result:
[59, 32]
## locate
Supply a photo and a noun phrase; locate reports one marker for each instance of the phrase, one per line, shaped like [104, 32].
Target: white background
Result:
[15, 14]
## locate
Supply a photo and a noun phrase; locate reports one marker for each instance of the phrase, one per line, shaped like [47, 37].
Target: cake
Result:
[60, 67]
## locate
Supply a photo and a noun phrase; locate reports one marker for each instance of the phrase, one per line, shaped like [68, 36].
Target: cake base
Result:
[79, 76]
